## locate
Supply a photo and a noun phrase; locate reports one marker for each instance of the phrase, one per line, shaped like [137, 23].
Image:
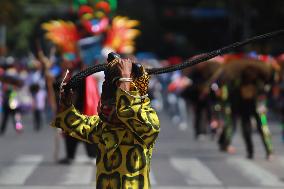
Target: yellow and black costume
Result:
[125, 133]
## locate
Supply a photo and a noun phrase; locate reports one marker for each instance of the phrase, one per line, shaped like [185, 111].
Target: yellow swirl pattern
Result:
[125, 149]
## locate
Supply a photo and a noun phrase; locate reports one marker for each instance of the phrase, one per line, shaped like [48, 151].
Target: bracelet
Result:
[125, 79]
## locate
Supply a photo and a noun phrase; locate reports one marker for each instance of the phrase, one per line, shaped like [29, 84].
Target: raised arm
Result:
[133, 106]
[82, 127]
[73, 123]
[138, 115]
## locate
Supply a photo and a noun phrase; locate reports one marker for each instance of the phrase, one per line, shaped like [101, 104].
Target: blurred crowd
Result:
[214, 97]
[23, 91]
[243, 89]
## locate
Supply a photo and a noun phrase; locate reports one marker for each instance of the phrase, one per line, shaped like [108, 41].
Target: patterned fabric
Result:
[142, 82]
[125, 149]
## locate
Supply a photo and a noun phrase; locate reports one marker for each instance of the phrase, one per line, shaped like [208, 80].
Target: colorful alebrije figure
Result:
[96, 27]
[94, 34]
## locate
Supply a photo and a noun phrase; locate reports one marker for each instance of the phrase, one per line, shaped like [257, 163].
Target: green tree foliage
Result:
[20, 16]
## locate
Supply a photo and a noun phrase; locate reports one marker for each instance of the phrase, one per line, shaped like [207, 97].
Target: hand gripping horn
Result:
[74, 81]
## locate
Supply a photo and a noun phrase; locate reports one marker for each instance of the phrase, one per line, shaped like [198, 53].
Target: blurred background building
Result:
[169, 27]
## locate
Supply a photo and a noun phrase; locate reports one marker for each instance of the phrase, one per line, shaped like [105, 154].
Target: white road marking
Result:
[81, 172]
[195, 172]
[254, 172]
[20, 170]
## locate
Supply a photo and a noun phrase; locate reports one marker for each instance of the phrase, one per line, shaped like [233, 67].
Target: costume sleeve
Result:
[138, 116]
[82, 127]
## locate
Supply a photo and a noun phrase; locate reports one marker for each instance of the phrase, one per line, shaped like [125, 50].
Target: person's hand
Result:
[125, 67]
[65, 100]
[44, 60]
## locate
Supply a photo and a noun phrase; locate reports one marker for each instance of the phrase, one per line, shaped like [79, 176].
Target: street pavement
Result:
[27, 161]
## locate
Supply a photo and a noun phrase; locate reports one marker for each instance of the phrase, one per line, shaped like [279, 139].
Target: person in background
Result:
[39, 100]
[37, 87]
[249, 92]
[10, 107]
[197, 94]
[71, 144]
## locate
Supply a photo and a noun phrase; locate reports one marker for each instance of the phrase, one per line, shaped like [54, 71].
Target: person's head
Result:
[109, 88]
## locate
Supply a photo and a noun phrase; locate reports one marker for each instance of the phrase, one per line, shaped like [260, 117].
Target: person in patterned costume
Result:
[125, 130]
